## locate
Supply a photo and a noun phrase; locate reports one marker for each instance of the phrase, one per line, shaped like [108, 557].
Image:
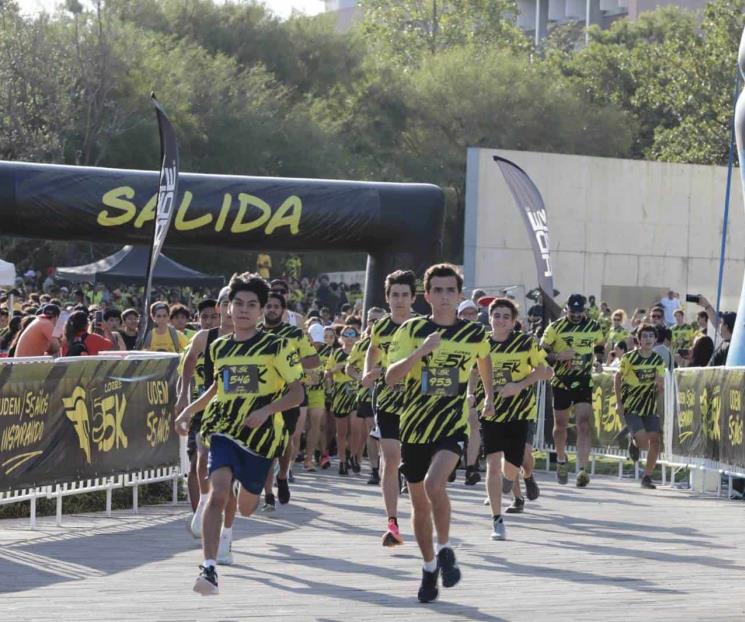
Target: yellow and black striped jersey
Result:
[199, 377]
[387, 399]
[357, 360]
[513, 360]
[249, 375]
[638, 382]
[582, 338]
[338, 356]
[617, 334]
[297, 338]
[434, 405]
[682, 337]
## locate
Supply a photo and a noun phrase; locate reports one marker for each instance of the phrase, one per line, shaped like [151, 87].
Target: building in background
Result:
[537, 17]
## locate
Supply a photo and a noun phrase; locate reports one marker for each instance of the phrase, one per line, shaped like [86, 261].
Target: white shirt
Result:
[670, 306]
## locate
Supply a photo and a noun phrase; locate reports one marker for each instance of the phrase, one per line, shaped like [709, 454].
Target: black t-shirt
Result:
[719, 357]
[129, 341]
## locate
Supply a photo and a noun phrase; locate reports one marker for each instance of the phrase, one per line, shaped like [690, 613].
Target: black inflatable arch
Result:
[398, 225]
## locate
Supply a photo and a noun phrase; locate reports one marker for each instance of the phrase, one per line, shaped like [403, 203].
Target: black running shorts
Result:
[417, 458]
[388, 425]
[509, 437]
[291, 416]
[564, 399]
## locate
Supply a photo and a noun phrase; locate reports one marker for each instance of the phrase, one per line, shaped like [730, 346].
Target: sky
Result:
[282, 8]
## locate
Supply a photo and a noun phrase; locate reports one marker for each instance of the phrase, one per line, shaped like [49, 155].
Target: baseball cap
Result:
[316, 333]
[467, 304]
[485, 301]
[576, 303]
[223, 295]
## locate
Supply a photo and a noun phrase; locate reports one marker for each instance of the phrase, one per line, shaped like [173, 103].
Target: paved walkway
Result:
[609, 552]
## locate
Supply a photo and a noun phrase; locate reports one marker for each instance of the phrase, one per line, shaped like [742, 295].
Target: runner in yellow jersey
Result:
[294, 418]
[433, 357]
[400, 293]
[517, 364]
[638, 382]
[683, 334]
[257, 376]
[570, 342]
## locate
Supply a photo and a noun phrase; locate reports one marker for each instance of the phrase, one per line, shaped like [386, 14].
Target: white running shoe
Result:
[375, 433]
[225, 553]
[498, 531]
[196, 525]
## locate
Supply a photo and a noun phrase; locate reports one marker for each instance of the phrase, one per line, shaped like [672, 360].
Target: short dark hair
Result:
[503, 302]
[442, 270]
[728, 319]
[663, 333]
[111, 312]
[401, 277]
[701, 314]
[207, 303]
[179, 309]
[622, 345]
[157, 305]
[646, 328]
[353, 320]
[279, 297]
[248, 282]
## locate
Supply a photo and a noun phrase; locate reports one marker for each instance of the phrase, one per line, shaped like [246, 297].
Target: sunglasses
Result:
[350, 333]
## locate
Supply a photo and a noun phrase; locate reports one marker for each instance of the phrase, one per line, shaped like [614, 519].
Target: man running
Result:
[434, 357]
[400, 292]
[640, 378]
[570, 342]
[294, 418]
[257, 376]
[517, 363]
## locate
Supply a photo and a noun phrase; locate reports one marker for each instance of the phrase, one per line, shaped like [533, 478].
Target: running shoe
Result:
[428, 589]
[498, 531]
[486, 501]
[448, 566]
[343, 469]
[633, 449]
[225, 552]
[562, 473]
[283, 491]
[374, 478]
[404, 488]
[270, 505]
[206, 583]
[196, 524]
[309, 468]
[583, 479]
[506, 485]
[375, 433]
[473, 476]
[531, 488]
[325, 461]
[452, 476]
[517, 507]
[392, 536]
[290, 476]
[648, 483]
[356, 465]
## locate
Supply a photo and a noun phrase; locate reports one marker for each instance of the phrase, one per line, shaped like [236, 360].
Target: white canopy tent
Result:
[7, 273]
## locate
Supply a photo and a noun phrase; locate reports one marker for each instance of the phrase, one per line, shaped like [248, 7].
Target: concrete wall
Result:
[613, 224]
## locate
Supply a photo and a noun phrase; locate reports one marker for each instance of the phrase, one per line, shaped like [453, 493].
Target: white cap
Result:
[316, 333]
[467, 304]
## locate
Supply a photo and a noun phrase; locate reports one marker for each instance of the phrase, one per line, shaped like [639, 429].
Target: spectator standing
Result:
[670, 303]
[726, 328]
[78, 341]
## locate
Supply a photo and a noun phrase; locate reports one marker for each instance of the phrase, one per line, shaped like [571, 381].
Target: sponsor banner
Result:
[61, 422]
[607, 424]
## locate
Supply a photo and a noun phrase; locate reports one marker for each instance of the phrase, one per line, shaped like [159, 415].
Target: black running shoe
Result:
[206, 583]
[506, 485]
[283, 491]
[448, 567]
[356, 465]
[374, 478]
[473, 477]
[428, 589]
[269, 503]
[648, 483]
[532, 492]
[517, 507]
[343, 470]
[633, 450]
[451, 477]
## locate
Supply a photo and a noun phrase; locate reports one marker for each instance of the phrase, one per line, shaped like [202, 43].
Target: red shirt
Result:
[93, 343]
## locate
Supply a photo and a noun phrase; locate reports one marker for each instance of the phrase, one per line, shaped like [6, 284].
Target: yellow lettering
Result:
[148, 212]
[187, 225]
[288, 215]
[244, 200]
[117, 198]
[227, 200]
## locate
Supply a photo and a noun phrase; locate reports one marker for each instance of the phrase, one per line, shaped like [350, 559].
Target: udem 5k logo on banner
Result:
[97, 415]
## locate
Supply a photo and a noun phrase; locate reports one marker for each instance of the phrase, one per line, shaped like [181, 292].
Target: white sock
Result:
[227, 533]
[443, 546]
[431, 565]
[209, 562]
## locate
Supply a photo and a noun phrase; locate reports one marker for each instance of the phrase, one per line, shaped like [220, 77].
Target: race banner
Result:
[607, 424]
[731, 447]
[61, 422]
[167, 198]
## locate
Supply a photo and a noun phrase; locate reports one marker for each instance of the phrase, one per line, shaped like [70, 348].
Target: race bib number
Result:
[240, 380]
[645, 375]
[502, 377]
[440, 381]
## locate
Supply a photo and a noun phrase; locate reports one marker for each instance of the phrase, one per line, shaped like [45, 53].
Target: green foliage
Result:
[399, 98]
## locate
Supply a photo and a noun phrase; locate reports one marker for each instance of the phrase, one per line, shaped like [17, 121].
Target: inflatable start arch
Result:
[398, 225]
